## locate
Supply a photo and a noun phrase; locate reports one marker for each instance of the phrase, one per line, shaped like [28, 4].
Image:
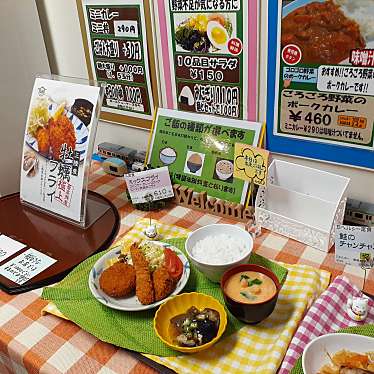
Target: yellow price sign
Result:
[251, 163]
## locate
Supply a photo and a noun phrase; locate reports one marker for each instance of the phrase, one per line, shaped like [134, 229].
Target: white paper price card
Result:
[149, 185]
[26, 266]
[354, 245]
[9, 247]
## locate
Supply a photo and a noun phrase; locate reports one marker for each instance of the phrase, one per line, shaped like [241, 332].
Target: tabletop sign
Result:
[26, 266]
[116, 44]
[354, 245]
[199, 151]
[60, 127]
[8, 247]
[320, 82]
[208, 56]
[149, 185]
[251, 163]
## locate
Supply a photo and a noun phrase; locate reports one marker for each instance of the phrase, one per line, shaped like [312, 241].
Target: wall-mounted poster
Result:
[321, 80]
[208, 56]
[118, 44]
[199, 151]
[60, 129]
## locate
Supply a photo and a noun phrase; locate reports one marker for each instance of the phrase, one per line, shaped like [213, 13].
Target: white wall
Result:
[23, 55]
[60, 24]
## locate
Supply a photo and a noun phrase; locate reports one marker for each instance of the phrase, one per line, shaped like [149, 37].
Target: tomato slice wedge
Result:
[173, 264]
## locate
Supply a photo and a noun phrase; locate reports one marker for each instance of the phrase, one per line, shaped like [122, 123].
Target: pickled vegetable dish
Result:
[195, 327]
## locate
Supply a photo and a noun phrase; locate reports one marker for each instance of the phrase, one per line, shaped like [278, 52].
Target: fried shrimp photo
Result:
[144, 286]
[163, 283]
[118, 280]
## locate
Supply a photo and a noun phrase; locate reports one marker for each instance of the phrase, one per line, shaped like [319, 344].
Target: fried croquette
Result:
[144, 286]
[61, 131]
[118, 280]
[163, 283]
[42, 137]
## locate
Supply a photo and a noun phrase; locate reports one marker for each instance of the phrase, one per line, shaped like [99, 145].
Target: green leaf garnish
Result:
[243, 276]
[249, 297]
[254, 281]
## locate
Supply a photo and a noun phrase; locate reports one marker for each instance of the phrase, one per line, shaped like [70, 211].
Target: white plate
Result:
[81, 132]
[131, 303]
[314, 355]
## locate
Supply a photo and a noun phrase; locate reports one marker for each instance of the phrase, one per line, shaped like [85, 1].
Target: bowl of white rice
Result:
[213, 249]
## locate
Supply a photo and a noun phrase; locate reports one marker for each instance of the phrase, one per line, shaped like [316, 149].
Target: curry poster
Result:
[207, 54]
[321, 80]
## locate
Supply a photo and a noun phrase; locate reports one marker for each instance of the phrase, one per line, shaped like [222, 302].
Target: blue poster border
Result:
[299, 147]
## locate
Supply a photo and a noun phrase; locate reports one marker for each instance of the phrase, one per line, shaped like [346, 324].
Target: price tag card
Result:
[9, 247]
[251, 163]
[354, 245]
[149, 185]
[26, 266]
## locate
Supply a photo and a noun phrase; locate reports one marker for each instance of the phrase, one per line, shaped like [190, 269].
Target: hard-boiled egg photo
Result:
[217, 34]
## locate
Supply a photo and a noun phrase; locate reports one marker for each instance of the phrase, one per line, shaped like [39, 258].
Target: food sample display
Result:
[347, 362]
[219, 249]
[118, 280]
[250, 287]
[323, 32]
[195, 327]
[147, 268]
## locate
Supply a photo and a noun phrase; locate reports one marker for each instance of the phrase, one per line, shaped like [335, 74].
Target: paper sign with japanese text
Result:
[9, 246]
[118, 43]
[208, 56]
[59, 132]
[251, 163]
[199, 151]
[354, 245]
[320, 101]
[149, 185]
[26, 266]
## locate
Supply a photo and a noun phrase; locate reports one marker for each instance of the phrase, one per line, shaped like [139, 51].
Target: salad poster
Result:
[117, 53]
[199, 151]
[60, 128]
[321, 80]
[208, 56]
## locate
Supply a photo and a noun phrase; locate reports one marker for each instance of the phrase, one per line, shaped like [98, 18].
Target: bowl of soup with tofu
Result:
[250, 292]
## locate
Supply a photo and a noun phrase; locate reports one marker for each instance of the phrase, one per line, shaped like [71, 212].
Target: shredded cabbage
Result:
[38, 116]
[154, 253]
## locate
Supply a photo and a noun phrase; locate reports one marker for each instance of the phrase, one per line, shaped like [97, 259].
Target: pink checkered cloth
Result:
[325, 316]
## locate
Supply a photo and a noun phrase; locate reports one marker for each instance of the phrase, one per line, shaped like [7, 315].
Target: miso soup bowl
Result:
[250, 313]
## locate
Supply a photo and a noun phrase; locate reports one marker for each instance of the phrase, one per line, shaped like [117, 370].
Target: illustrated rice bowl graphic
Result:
[168, 155]
[194, 162]
[224, 169]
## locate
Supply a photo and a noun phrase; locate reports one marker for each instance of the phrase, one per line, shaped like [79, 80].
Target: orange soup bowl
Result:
[251, 313]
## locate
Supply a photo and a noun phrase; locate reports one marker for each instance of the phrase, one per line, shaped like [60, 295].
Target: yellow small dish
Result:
[180, 304]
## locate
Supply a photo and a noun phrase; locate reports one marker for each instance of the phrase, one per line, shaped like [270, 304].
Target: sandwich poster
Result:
[199, 151]
[60, 129]
[208, 56]
[321, 80]
[119, 51]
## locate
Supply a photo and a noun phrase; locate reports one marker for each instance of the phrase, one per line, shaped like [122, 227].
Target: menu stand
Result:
[68, 244]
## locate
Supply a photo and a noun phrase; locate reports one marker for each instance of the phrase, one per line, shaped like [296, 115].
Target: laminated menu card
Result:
[60, 128]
